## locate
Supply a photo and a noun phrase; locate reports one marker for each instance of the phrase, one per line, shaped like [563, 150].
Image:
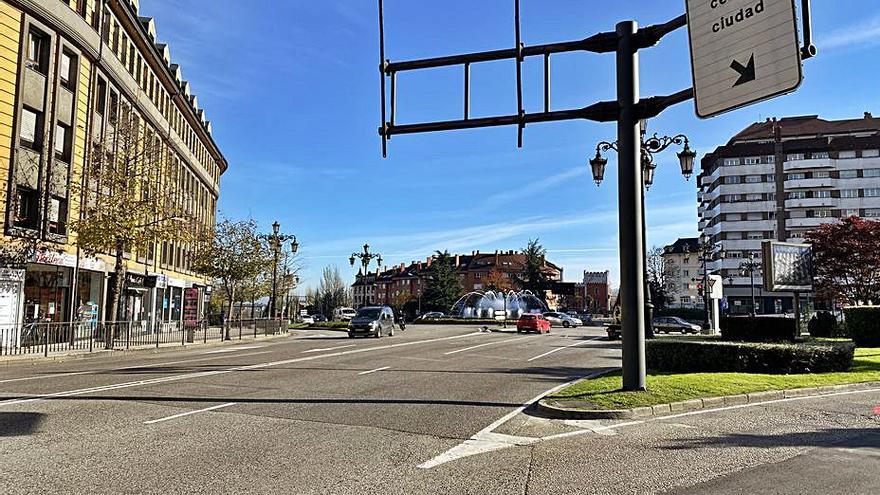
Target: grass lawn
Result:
[603, 392]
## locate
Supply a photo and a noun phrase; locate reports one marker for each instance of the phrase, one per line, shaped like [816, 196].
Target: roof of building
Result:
[808, 125]
[683, 245]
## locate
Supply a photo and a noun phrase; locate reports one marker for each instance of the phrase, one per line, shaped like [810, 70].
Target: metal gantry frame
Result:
[628, 110]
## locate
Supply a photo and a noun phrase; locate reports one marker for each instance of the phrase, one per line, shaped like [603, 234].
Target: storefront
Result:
[49, 295]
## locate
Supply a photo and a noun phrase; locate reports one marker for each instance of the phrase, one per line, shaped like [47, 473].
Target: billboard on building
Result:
[787, 267]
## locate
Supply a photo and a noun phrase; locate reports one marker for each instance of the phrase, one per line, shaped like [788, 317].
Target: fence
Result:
[44, 338]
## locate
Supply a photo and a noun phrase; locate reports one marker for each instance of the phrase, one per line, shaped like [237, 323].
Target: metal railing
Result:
[44, 338]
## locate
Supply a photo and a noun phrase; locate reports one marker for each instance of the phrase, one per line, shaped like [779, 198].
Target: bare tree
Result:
[661, 277]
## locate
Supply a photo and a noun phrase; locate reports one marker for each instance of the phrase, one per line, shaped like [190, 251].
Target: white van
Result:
[344, 314]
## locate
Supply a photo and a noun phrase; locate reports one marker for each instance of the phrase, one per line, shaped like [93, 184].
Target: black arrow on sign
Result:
[746, 72]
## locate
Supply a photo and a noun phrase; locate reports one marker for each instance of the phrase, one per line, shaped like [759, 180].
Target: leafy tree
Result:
[498, 280]
[846, 260]
[661, 277]
[131, 200]
[232, 256]
[443, 288]
[534, 278]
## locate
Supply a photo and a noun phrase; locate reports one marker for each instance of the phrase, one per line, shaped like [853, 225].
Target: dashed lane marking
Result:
[484, 345]
[374, 371]
[188, 413]
[562, 348]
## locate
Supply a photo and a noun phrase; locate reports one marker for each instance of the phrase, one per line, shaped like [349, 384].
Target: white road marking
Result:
[234, 349]
[864, 451]
[484, 345]
[563, 348]
[487, 441]
[328, 349]
[201, 374]
[56, 375]
[373, 371]
[188, 413]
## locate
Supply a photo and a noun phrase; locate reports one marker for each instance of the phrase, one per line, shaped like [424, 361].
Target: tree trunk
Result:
[230, 306]
[116, 296]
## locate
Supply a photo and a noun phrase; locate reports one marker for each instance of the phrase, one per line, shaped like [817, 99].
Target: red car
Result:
[533, 323]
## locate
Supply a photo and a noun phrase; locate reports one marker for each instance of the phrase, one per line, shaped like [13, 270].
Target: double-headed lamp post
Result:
[276, 242]
[650, 146]
[750, 267]
[706, 253]
[366, 258]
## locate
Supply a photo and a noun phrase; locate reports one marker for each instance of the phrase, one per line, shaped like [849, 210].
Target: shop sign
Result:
[191, 307]
[66, 259]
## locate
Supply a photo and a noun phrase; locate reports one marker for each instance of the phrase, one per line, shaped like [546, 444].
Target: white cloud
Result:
[534, 188]
[863, 33]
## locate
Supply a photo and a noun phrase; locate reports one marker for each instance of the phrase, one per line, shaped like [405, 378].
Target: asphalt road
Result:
[435, 409]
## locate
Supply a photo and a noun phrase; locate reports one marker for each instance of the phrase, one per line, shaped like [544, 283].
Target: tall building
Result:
[778, 180]
[69, 71]
[682, 263]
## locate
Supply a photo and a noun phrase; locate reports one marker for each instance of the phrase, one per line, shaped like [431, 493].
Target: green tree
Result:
[131, 200]
[846, 260]
[444, 286]
[233, 255]
[534, 278]
[332, 292]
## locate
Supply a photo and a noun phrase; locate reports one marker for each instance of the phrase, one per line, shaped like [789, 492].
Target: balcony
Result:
[810, 183]
[811, 203]
[809, 164]
[748, 226]
[742, 244]
[801, 223]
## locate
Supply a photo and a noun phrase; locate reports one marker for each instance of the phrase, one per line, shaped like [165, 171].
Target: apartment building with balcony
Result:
[69, 69]
[778, 180]
[683, 273]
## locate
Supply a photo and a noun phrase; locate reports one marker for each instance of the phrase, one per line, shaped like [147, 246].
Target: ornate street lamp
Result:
[366, 258]
[276, 241]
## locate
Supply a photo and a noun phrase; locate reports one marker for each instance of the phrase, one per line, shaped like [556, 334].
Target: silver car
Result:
[666, 324]
[562, 320]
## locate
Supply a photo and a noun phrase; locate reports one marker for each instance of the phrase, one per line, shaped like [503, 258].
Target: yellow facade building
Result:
[67, 70]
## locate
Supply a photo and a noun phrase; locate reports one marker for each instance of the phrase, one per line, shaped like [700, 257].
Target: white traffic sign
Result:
[742, 51]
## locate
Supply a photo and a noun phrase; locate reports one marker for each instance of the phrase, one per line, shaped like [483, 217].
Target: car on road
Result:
[307, 319]
[372, 321]
[532, 323]
[563, 319]
[344, 314]
[433, 315]
[666, 324]
[318, 317]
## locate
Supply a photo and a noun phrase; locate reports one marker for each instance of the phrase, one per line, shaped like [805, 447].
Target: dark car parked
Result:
[373, 321]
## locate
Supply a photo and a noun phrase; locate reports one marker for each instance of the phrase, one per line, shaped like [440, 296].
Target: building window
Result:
[770, 159]
[731, 162]
[771, 196]
[870, 153]
[37, 51]
[753, 216]
[753, 179]
[755, 235]
[819, 155]
[797, 176]
[824, 193]
[850, 213]
[754, 197]
[793, 157]
[797, 195]
[685, 273]
[872, 192]
[68, 71]
[824, 174]
[26, 207]
[849, 174]
[797, 234]
[30, 128]
[849, 193]
[101, 104]
[847, 154]
[871, 172]
[752, 160]
[62, 142]
[732, 179]
[822, 214]
[872, 213]
[57, 215]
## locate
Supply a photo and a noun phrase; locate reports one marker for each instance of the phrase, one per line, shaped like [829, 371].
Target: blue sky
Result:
[292, 90]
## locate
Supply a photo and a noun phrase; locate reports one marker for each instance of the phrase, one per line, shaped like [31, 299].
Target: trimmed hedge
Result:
[758, 329]
[822, 324]
[713, 356]
[863, 325]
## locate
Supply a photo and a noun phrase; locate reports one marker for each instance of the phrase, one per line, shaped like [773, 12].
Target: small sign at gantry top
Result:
[742, 52]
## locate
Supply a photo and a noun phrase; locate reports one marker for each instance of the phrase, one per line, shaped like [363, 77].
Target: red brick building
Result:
[597, 292]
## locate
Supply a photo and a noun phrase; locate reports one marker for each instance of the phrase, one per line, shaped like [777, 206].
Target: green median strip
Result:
[603, 393]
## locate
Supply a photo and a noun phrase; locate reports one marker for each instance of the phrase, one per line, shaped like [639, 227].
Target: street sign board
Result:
[742, 52]
[787, 266]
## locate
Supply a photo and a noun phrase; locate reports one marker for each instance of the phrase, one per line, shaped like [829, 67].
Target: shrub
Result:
[863, 325]
[823, 324]
[715, 356]
[758, 329]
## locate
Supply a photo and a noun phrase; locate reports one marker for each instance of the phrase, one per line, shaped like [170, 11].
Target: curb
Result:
[104, 353]
[567, 409]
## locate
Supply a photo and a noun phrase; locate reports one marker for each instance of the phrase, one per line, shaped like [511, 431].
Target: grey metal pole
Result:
[632, 263]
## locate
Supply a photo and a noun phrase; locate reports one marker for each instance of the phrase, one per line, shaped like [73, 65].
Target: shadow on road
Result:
[829, 437]
[17, 424]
